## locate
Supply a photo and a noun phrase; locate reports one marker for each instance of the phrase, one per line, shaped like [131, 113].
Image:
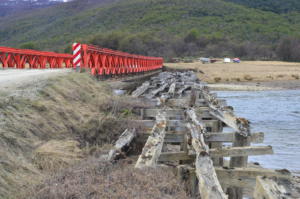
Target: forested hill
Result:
[154, 27]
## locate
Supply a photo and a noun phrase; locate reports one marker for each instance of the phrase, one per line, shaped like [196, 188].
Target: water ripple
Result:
[277, 113]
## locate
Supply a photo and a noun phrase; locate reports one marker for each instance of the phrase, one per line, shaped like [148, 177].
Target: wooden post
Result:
[224, 152]
[171, 91]
[187, 176]
[142, 116]
[185, 149]
[240, 140]
[193, 98]
[154, 144]
[184, 144]
[272, 188]
[154, 92]
[140, 90]
[246, 177]
[124, 140]
[216, 127]
[209, 185]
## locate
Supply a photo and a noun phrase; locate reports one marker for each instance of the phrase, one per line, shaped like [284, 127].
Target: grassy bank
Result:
[248, 71]
[69, 119]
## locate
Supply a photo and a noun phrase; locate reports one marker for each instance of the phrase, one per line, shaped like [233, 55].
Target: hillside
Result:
[277, 6]
[51, 27]
[216, 21]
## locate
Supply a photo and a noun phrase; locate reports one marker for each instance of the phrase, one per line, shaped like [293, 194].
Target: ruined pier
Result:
[182, 128]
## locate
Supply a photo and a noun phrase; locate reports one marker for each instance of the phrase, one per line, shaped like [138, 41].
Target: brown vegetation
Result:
[280, 76]
[248, 78]
[217, 79]
[296, 76]
[245, 71]
[71, 116]
[97, 179]
[57, 154]
[237, 79]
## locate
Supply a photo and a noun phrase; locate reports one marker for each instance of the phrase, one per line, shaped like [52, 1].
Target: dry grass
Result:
[95, 179]
[257, 70]
[75, 109]
[57, 154]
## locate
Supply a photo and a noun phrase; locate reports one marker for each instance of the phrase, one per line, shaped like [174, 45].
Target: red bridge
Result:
[20, 58]
[101, 61]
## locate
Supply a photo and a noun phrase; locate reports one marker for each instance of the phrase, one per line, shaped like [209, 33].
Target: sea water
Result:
[277, 114]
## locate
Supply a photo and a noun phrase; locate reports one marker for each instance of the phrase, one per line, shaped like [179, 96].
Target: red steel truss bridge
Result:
[25, 58]
[100, 61]
[103, 61]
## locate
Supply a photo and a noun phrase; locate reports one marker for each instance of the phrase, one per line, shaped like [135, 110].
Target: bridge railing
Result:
[103, 61]
[22, 58]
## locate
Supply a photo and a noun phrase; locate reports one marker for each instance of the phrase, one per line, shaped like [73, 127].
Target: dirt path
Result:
[26, 82]
[14, 77]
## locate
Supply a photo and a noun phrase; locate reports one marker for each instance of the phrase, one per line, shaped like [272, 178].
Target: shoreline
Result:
[245, 76]
[256, 86]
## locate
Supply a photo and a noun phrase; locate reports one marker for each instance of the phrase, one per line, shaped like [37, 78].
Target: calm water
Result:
[277, 114]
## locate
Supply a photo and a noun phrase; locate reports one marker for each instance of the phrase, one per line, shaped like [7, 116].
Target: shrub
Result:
[236, 79]
[248, 78]
[270, 77]
[296, 76]
[29, 45]
[68, 49]
[217, 79]
[288, 49]
[192, 36]
[280, 76]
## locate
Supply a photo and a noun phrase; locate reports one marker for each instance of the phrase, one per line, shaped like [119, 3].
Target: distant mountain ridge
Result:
[33, 2]
[8, 7]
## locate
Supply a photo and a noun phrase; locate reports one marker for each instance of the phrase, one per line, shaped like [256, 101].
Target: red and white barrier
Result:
[76, 55]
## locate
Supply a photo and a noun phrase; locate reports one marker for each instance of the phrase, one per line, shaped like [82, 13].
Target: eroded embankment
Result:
[68, 120]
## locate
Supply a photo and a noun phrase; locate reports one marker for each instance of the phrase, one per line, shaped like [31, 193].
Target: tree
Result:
[29, 45]
[288, 49]
[192, 36]
[68, 49]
